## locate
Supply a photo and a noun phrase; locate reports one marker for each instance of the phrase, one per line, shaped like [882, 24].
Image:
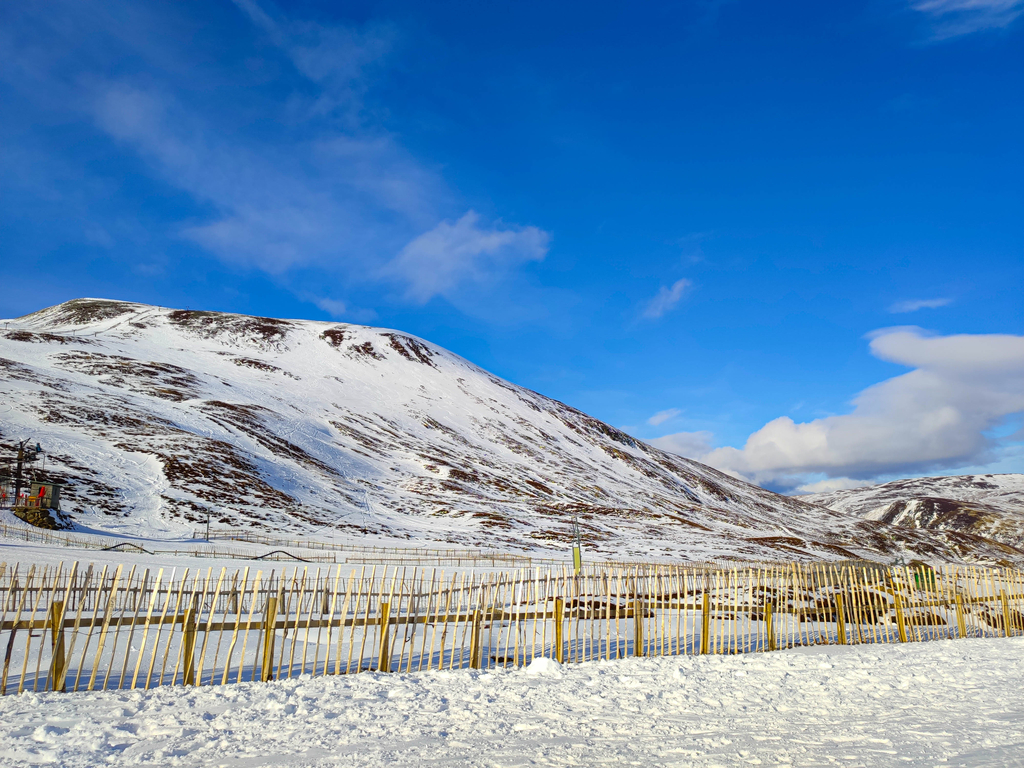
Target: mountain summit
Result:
[158, 417]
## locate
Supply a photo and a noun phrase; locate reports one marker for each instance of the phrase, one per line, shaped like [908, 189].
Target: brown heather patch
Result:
[366, 349]
[85, 311]
[410, 348]
[334, 336]
[264, 331]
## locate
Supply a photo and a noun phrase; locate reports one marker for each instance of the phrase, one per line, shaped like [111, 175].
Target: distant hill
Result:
[983, 505]
[158, 417]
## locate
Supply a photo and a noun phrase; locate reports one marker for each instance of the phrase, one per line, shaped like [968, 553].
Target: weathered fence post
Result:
[475, 653]
[705, 624]
[769, 620]
[899, 616]
[559, 619]
[840, 619]
[269, 624]
[1007, 624]
[59, 662]
[384, 659]
[638, 628]
[961, 625]
[189, 645]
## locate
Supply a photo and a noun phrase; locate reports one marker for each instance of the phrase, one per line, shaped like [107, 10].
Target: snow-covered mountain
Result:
[157, 417]
[985, 505]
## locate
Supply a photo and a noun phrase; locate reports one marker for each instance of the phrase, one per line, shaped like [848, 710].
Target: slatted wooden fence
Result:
[76, 627]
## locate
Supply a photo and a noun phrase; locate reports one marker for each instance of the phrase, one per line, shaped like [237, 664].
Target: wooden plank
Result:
[366, 615]
[705, 623]
[209, 623]
[355, 613]
[104, 627]
[86, 581]
[639, 641]
[267, 636]
[1007, 624]
[117, 626]
[188, 643]
[559, 621]
[431, 596]
[840, 619]
[10, 641]
[54, 585]
[163, 615]
[330, 621]
[475, 652]
[145, 630]
[344, 616]
[900, 625]
[137, 605]
[384, 620]
[256, 583]
[233, 606]
[58, 662]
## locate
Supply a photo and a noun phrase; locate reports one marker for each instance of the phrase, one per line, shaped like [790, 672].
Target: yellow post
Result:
[840, 619]
[899, 617]
[559, 619]
[269, 624]
[769, 620]
[1007, 624]
[475, 652]
[638, 628]
[59, 662]
[189, 642]
[705, 624]
[384, 660]
[961, 625]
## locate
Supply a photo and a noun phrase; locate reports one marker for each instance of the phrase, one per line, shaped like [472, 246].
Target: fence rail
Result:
[82, 628]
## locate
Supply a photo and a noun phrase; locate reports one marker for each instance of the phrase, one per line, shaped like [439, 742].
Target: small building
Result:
[43, 496]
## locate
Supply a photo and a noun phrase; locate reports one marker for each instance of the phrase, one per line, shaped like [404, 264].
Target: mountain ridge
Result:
[158, 417]
[990, 505]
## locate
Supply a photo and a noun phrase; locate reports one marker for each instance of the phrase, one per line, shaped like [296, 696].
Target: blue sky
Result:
[782, 238]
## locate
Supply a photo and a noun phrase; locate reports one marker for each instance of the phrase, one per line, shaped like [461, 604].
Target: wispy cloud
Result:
[937, 416]
[662, 416]
[913, 305]
[692, 445]
[952, 18]
[455, 253]
[332, 307]
[666, 299]
[287, 169]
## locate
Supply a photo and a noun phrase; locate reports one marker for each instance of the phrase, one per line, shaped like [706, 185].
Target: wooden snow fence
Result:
[72, 628]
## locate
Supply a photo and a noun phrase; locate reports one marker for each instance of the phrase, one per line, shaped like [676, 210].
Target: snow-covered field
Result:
[950, 703]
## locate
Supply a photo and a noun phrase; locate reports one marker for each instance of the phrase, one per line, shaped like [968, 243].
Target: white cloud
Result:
[934, 417]
[913, 305]
[456, 253]
[332, 307]
[692, 445]
[831, 484]
[666, 299]
[662, 416]
[960, 17]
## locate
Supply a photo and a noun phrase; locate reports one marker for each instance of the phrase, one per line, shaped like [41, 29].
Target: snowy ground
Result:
[950, 703]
